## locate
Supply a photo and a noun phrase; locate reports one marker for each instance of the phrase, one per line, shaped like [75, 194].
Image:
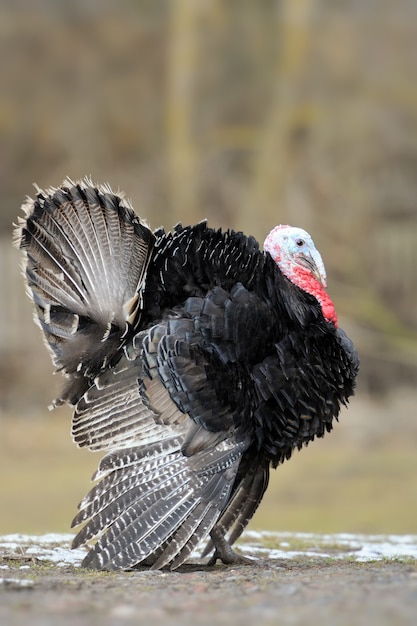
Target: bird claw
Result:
[223, 551]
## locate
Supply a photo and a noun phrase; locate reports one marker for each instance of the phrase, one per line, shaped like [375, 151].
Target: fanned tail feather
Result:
[86, 257]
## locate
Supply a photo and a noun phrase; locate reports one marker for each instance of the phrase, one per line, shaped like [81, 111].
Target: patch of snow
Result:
[57, 548]
[16, 583]
[50, 547]
[343, 545]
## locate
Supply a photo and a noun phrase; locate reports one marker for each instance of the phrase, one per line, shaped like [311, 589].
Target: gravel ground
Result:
[300, 590]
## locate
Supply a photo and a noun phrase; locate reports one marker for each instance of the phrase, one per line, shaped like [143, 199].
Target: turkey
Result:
[194, 360]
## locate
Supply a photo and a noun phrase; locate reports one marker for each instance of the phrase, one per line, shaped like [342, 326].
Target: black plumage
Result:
[190, 357]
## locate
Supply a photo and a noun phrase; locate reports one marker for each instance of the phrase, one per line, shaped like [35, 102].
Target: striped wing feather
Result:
[162, 497]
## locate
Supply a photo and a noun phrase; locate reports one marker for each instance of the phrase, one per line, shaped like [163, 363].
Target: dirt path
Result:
[300, 590]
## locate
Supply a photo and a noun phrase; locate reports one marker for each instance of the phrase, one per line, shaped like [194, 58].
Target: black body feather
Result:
[189, 358]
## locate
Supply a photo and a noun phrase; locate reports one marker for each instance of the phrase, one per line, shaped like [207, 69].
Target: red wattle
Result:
[306, 281]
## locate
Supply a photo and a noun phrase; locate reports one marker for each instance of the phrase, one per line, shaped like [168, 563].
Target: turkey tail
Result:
[86, 258]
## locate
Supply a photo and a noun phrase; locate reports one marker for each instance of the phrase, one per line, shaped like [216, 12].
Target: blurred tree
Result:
[247, 113]
[272, 164]
[182, 157]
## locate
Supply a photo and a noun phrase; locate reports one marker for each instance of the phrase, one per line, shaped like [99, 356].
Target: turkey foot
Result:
[224, 552]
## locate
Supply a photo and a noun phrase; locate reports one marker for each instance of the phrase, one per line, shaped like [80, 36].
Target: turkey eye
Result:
[300, 242]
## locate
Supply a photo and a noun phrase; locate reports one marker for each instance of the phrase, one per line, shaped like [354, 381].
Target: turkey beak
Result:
[314, 263]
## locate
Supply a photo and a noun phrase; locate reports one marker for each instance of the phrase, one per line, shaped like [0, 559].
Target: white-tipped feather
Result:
[87, 255]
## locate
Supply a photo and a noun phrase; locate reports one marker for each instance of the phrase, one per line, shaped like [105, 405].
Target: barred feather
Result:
[86, 258]
[166, 497]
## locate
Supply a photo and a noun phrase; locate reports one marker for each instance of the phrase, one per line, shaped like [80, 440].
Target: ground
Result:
[319, 582]
[362, 478]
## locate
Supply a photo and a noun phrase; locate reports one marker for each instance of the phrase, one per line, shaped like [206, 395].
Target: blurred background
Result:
[248, 114]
